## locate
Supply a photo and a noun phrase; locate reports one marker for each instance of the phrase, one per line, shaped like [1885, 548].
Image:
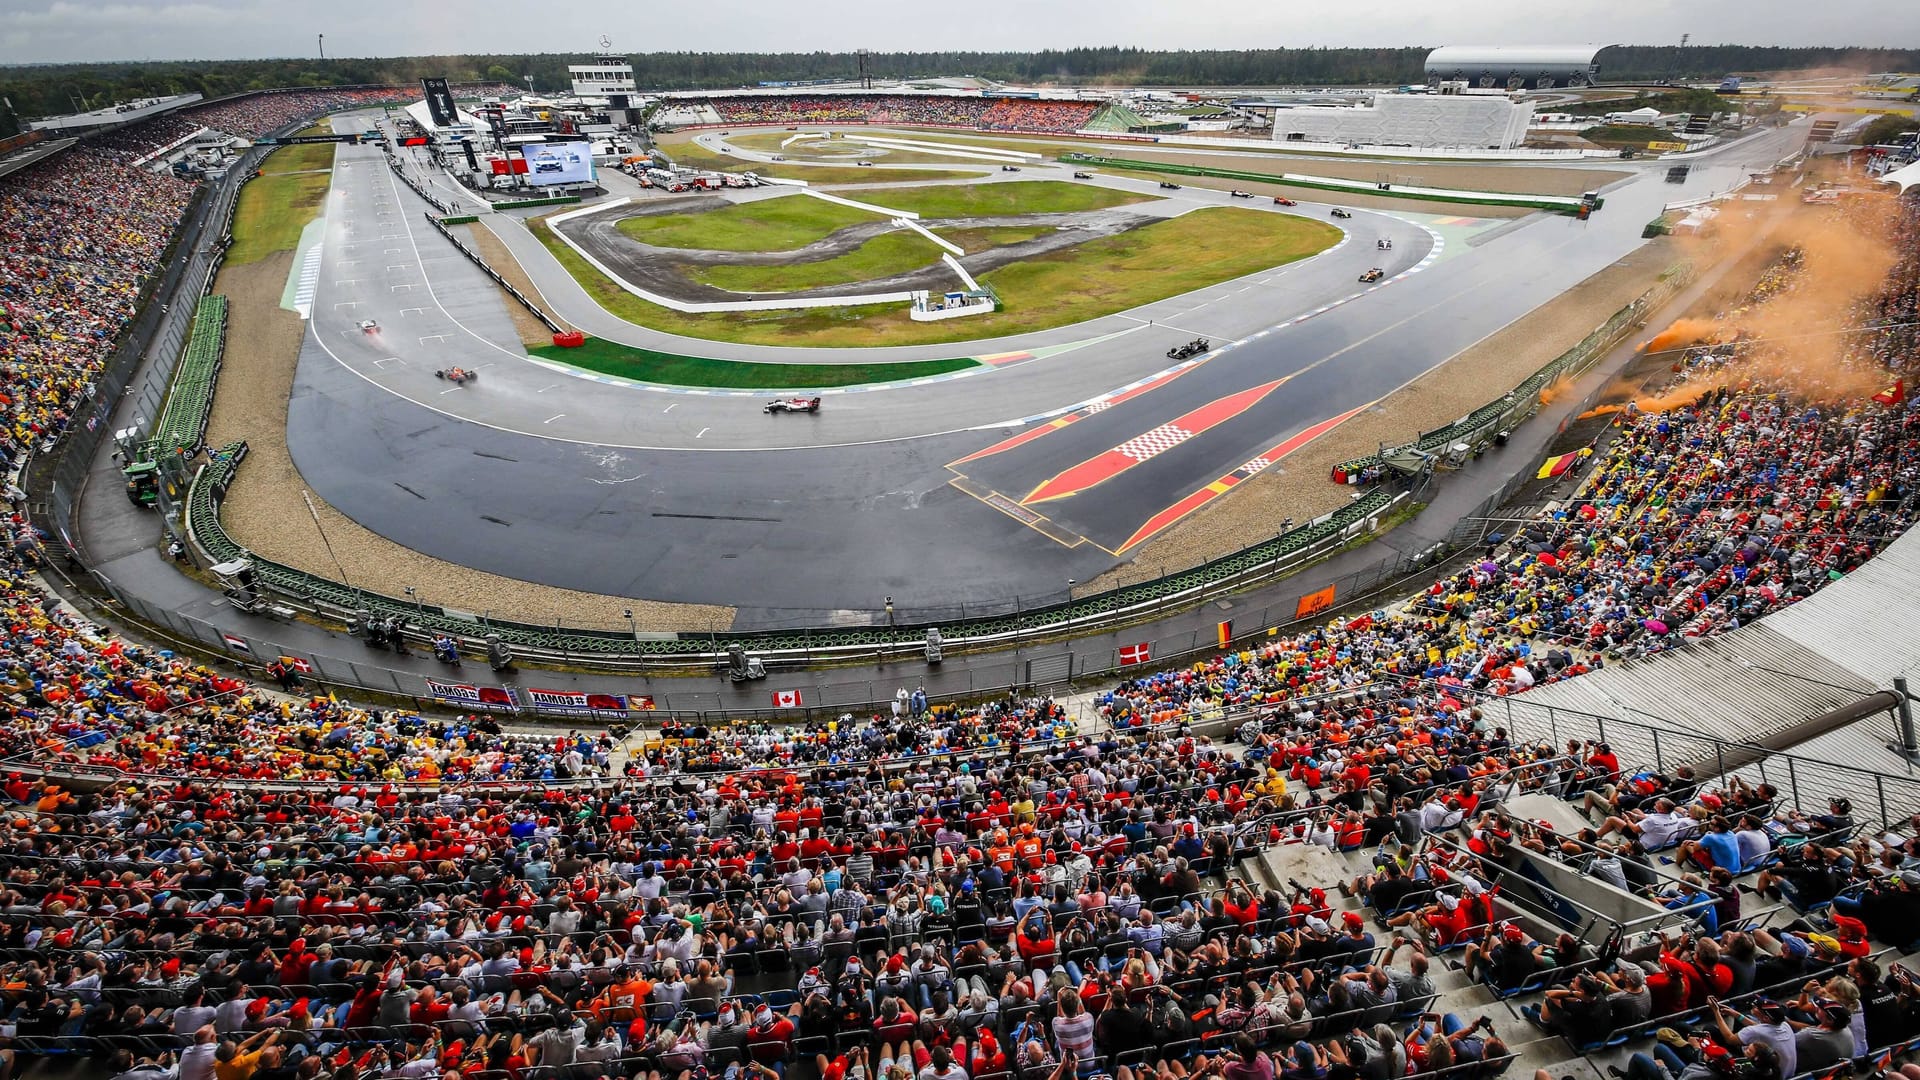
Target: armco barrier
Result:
[474, 256]
[519, 204]
[1558, 203]
[1520, 403]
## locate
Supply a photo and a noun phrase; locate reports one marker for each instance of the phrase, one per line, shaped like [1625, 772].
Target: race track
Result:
[561, 477]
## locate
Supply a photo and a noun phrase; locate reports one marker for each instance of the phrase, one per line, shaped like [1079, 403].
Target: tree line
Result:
[50, 89]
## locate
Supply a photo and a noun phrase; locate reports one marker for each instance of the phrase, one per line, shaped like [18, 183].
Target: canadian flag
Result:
[1136, 654]
[786, 699]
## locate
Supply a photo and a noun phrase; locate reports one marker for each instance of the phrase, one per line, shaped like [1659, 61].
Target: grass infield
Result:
[883, 256]
[276, 205]
[673, 369]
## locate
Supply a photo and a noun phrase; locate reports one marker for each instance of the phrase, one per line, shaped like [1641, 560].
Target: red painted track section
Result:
[1221, 486]
[1097, 405]
[1148, 445]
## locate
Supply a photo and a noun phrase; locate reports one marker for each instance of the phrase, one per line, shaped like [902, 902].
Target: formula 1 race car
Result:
[1083, 176]
[368, 326]
[1241, 194]
[1009, 168]
[1169, 185]
[1373, 275]
[1339, 213]
[1191, 348]
[865, 164]
[457, 375]
[1282, 200]
[793, 404]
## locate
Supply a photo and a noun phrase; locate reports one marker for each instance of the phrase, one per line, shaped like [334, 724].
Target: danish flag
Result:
[1136, 654]
[786, 699]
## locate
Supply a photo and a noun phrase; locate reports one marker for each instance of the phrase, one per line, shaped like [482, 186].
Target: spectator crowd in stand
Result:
[984, 113]
[950, 894]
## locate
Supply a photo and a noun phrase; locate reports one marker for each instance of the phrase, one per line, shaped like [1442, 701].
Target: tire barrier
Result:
[1520, 402]
[555, 328]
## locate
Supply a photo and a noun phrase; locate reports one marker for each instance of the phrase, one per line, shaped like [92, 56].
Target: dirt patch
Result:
[1300, 487]
[265, 513]
[531, 330]
[1519, 179]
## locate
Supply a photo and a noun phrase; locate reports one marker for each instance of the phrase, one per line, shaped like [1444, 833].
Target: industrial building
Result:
[603, 76]
[1515, 67]
[1450, 118]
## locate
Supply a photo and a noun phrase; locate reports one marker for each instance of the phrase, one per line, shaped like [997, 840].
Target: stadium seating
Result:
[273, 884]
[983, 113]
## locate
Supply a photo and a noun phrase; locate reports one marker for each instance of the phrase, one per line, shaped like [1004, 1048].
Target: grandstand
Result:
[274, 884]
[975, 110]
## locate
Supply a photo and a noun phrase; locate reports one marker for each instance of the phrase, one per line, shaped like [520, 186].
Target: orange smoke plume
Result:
[1682, 333]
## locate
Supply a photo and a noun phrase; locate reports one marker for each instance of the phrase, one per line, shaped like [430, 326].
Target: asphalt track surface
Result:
[561, 478]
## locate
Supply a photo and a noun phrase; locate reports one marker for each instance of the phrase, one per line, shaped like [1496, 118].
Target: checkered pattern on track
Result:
[1159, 440]
[1099, 406]
[1254, 466]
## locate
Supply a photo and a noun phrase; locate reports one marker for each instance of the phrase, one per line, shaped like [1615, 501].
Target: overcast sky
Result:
[56, 30]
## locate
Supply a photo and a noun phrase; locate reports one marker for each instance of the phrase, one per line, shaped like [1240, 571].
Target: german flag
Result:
[1224, 633]
[1560, 463]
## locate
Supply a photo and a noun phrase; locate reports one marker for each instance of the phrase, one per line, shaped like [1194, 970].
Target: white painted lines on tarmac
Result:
[405, 311]
[552, 418]
[546, 388]
[669, 408]
[703, 432]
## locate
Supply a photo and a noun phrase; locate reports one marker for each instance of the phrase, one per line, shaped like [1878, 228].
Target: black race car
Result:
[1170, 185]
[1373, 275]
[792, 404]
[1083, 176]
[1009, 168]
[1190, 349]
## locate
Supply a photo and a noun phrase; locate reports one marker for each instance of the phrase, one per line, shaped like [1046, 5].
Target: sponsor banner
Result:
[1663, 147]
[1314, 603]
[576, 702]
[439, 102]
[469, 696]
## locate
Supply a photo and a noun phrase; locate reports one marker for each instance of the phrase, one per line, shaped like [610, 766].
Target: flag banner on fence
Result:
[640, 702]
[236, 644]
[576, 701]
[297, 664]
[1560, 463]
[469, 696]
[1136, 654]
[786, 699]
[1223, 633]
[1314, 603]
[1893, 395]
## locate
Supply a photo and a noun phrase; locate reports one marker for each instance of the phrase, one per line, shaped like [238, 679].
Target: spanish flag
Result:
[1560, 463]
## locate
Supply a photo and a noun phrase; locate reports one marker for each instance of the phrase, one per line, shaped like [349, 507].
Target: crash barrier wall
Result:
[1324, 183]
[551, 200]
[674, 304]
[1522, 401]
[474, 257]
[463, 219]
[418, 188]
[183, 423]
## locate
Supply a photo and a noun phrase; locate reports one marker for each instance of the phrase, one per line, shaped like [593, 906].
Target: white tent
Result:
[1904, 178]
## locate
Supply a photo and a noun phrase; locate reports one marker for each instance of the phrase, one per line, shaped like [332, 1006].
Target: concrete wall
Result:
[1422, 120]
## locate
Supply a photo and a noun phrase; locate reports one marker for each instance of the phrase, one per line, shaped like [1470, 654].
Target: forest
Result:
[42, 90]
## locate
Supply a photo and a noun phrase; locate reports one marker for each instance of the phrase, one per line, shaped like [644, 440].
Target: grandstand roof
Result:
[1846, 641]
[1514, 55]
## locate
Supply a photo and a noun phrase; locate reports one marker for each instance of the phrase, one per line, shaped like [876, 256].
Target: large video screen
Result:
[558, 163]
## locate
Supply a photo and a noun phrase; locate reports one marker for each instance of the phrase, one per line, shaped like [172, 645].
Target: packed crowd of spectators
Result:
[984, 113]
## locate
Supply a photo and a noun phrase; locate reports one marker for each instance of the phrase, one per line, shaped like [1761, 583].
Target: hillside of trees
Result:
[40, 90]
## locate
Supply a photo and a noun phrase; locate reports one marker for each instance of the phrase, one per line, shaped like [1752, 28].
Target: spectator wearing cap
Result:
[1826, 1044]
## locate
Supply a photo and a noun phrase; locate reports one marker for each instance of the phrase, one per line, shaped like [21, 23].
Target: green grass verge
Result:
[778, 224]
[883, 256]
[1160, 170]
[613, 358]
[995, 200]
[305, 157]
[273, 208]
[1097, 278]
